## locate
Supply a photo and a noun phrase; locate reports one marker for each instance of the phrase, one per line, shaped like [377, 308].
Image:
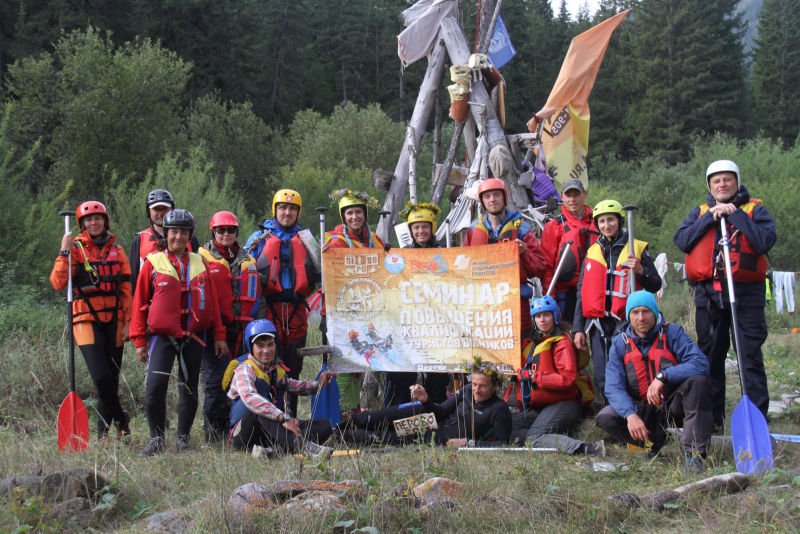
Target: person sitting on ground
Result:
[657, 375]
[547, 394]
[474, 415]
[257, 387]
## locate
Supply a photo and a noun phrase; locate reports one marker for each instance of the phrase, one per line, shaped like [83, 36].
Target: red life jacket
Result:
[181, 304]
[540, 363]
[239, 294]
[596, 285]
[480, 233]
[640, 370]
[746, 264]
[583, 236]
[98, 274]
[341, 234]
[148, 243]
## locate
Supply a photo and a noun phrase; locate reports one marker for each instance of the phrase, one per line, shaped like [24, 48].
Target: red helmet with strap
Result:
[91, 207]
[223, 218]
[492, 184]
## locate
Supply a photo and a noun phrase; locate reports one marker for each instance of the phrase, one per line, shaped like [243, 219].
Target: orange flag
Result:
[566, 113]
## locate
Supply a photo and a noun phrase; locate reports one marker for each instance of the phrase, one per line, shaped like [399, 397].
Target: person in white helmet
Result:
[751, 232]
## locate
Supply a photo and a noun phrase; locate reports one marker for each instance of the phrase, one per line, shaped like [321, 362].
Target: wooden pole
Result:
[438, 191]
[412, 166]
[487, 37]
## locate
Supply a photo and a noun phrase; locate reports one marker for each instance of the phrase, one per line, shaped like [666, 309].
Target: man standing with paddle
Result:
[751, 232]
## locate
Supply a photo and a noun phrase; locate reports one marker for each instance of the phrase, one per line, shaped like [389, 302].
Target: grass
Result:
[506, 492]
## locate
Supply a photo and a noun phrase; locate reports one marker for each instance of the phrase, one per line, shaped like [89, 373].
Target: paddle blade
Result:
[326, 404]
[73, 424]
[752, 447]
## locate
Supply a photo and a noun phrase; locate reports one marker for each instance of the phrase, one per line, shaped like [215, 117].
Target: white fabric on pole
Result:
[784, 289]
[681, 269]
[662, 266]
[422, 21]
[460, 216]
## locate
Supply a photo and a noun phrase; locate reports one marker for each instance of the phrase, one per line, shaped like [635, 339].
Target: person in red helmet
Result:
[101, 307]
[238, 286]
[175, 315]
[500, 224]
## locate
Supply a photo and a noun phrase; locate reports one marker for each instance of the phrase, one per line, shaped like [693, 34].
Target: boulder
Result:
[285, 489]
[74, 483]
[172, 522]
[314, 500]
[75, 510]
[439, 489]
[251, 498]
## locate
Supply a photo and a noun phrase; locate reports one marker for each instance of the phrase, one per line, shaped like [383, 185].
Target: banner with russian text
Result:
[422, 309]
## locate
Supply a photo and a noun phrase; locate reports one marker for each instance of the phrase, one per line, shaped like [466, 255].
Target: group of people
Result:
[240, 312]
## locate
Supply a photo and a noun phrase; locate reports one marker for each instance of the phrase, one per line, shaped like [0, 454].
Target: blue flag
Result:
[501, 50]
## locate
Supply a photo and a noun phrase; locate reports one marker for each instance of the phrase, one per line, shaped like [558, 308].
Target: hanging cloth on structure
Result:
[784, 289]
[662, 267]
[460, 216]
[422, 21]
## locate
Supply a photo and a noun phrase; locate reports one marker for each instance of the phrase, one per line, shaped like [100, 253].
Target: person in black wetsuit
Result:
[474, 415]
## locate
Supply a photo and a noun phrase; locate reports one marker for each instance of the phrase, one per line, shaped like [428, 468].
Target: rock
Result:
[76, 510]
[172, 522]
[776, 407]
[289, 488]
[790, 399]
[439, 489]
[404, 494]
[781, 488]
[627, 499]
[251, 498]
[607, 467]
[70, 484]
[318, 501]
[436, 507]
[32, 484]
[656, 500]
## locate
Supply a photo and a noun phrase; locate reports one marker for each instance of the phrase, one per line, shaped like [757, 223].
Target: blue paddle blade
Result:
[326, 404]
[752, 447]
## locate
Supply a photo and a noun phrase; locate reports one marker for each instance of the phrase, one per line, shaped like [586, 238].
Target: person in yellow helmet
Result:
[603, 285]
[288, 277]
[421, 221]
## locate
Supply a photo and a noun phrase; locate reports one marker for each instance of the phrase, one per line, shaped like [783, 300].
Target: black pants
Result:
[104, 360]
[216, 407]
[380, 422]
[567, 301]
[600, 343]
[287, 353]
[713, 325]
[688, 406]
[257, 430]
[163, 354]
[397, 387]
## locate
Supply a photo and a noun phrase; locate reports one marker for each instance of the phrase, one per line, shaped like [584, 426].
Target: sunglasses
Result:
[226, 229]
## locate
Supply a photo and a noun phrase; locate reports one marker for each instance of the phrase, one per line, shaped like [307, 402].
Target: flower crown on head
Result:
[337, 194]
[420, 206]
[490, 369]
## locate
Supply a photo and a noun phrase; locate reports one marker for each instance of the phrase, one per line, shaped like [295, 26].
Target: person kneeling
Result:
[547, 393]
[656, 375]
[474, 415]
[257, 390]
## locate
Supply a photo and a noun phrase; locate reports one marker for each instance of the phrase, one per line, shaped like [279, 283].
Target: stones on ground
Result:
[251, 498]
[627, 499]
[403, 493]
[436, 507]
[439, 489]
[171, 522]
[317, 501]
[607, 467]
[721, 484]
[289, 488]
[75, 510]
[318, 495]
[60, 486]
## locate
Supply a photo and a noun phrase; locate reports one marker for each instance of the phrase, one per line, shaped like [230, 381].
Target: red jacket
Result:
[553, 365]
[142, 301]
[555, 235]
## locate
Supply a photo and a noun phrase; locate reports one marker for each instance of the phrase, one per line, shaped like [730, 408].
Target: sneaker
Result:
[155, 446]
[694, 465]
[597, 448]
[317, 452]
[182, 444]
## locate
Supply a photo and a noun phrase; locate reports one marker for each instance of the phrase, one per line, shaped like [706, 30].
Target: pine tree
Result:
[776, 69]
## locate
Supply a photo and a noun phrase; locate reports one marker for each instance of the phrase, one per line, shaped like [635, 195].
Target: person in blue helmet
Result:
[657, 376]
[547, 396]
[257, 386]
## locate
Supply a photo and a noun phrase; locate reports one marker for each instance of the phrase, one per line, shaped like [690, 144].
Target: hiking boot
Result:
[597, 448]
[317, 452]
[694, 465]
[182, 444]
[123, 427]
[155, 446]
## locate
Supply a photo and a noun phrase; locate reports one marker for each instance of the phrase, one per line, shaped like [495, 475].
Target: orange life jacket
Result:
[98, 275]
[480, 233]
[596, 285]
[180, 304]
[340, 233]
[239, 294]
[746, 264]
[640, 369]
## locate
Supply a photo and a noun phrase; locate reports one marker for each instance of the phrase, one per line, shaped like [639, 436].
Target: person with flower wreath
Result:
[475, 415]
[354, 232]
[421, 221]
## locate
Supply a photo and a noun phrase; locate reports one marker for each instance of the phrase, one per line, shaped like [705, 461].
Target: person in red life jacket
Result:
[576, 224]
[238, 287]
[421, 221]
[257, 386]
[603, 284]
[475, 415]
[751, 232]
[657, 376]
[159, 202]
[500, 224]
[288, 277]
[547, 402]
[354, 232]
[101, 307]
[175, 315]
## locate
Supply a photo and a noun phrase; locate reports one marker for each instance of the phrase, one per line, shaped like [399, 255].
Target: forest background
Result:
[224, 102]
